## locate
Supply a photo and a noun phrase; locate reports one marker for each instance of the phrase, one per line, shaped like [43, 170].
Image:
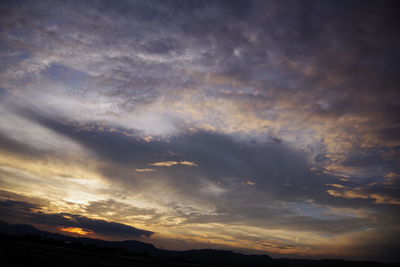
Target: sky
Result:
[257, 126]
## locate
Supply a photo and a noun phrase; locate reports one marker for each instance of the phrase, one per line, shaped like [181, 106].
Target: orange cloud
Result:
[359, 192]
[76, 230]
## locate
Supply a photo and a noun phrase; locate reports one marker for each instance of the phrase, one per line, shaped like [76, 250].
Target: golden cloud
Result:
[144, 170]
[361, 193]
[164, 163]
[173, 163]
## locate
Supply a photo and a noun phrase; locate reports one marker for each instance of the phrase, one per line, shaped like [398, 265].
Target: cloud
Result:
[249, 183]
[212, 194]
[173, 163]
[380, 194]
[244, 101]
[188, 163]
[144, 170]
[337, 185]
[23, 132]
[164, 163]
[16, 210]
[122, 211]
[76, 230]
[302, 98]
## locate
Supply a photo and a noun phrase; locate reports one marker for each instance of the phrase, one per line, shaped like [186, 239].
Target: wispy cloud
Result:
[249, 183]
[173, 163]
[145, 170]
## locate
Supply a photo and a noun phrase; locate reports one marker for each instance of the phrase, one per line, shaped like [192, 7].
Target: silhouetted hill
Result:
[26, 229]
[225, 257]
[24, 245]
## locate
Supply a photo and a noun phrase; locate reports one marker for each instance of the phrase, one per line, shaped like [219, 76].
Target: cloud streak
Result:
[173, 163]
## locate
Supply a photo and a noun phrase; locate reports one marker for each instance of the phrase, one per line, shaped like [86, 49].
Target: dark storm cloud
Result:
[17, 210]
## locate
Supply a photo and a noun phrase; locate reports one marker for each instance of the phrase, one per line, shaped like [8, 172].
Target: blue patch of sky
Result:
[316, 212]
[69, 76]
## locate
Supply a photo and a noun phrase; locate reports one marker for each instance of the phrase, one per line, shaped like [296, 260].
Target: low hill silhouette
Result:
[24, 245]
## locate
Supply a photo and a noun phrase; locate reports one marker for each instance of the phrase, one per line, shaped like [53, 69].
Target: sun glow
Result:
[76, 230]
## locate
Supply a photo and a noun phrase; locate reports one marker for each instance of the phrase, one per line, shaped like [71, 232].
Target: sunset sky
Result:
[256, 126]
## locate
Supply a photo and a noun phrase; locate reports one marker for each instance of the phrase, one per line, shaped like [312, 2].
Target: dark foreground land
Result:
[16, 253]
[23, 245]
